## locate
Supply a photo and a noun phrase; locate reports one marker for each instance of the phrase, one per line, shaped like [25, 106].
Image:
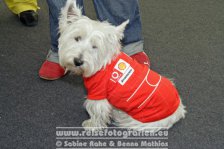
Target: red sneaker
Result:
[51, 71]
[142, 58]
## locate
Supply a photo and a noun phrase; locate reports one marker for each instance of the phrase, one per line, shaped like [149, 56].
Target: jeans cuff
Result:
[52, 56]
[133, 48]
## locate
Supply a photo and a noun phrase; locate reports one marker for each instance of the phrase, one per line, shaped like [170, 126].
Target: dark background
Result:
[184, 40]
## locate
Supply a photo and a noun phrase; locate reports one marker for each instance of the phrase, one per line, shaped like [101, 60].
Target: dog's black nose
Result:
[78, 62]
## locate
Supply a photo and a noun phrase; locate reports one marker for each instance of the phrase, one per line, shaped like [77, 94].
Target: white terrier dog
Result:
[119, 88]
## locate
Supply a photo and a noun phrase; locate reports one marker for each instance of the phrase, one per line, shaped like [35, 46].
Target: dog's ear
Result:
[120, 29]
[71, 11]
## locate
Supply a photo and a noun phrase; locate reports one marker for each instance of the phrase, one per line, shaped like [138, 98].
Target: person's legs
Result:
[25, 9]
[54, 12]
[115, 11]
[118, 11]
[50, 69]
[18, 6]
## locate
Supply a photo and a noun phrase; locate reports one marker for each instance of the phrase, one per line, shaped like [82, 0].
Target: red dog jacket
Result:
[135, 89]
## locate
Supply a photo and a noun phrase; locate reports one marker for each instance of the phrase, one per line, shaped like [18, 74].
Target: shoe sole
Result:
[49, 79]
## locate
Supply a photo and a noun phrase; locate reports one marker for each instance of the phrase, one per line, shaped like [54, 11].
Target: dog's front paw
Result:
[90, 125]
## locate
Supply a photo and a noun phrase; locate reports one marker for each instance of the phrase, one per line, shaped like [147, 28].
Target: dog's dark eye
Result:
[78, 38]
[94, 47]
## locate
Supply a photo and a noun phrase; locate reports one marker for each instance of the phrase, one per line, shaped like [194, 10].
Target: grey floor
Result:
[185, 41]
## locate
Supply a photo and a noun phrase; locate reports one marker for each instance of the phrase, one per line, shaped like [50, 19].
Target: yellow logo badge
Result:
[122, 66]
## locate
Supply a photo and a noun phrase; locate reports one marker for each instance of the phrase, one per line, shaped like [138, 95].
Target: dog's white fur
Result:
[96, 44]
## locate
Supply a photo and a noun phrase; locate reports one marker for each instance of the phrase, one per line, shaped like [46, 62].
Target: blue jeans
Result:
[114, 11]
